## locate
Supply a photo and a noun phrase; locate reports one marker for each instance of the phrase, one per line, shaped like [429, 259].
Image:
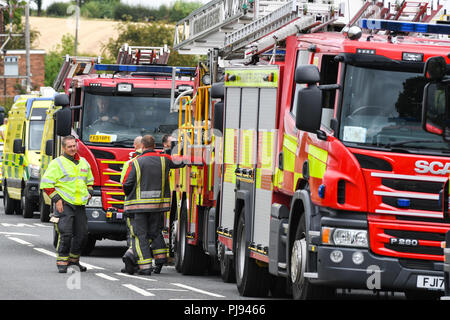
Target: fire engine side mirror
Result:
[218, 92]
[309, 109]
[309, 102]
[307, 74]
[61, 100]
[435, 68]
[49, 147]
[63, 122]
[435, 114]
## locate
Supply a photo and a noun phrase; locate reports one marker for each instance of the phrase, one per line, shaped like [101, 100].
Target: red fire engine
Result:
[326, 179]
[108, 111]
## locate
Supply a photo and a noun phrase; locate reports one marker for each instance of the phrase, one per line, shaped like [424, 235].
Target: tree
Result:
[149, 34]
[55, 58]
[39, 7]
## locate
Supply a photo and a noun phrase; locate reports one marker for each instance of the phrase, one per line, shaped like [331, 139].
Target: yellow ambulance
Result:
[46, 154]
[21, 152]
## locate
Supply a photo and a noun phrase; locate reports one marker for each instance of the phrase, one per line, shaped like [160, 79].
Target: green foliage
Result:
[113, 9]
[58, 9]
[55, 58]
[151, 34]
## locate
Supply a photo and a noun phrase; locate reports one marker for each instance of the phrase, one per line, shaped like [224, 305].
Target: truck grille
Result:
[403, 242]
[410, 196]
[416, 226]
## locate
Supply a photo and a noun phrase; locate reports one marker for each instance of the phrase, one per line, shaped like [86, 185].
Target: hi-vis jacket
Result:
[146, 183]
[69, 179]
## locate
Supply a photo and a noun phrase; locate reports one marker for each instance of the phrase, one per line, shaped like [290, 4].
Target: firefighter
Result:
[168, 142]
[147, 190]
[128, 258]
[68, 181]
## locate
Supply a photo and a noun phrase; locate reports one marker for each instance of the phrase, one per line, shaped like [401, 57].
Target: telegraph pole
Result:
[77, 13]
[27, 46]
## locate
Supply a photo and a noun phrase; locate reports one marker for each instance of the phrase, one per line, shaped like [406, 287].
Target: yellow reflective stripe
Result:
[156, 200]
[267, 154]
[138, 179]
[290, 142]
[229, 175]
[317, 158]
[318, 153]
[247, 154]
[288, 160]
[229, 146]
[163, 175]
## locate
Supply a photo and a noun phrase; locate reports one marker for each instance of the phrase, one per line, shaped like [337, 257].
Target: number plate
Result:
[99, 138]
[430, 282]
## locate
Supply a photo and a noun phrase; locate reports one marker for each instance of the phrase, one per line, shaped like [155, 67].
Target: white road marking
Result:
[18, 234]
[53, 254]
[20, 241]
[198, 290]
[134, 277]
[45, 251]
[105, 276]
[17, 225]
[138, 290]
[167, 289]
[42, 225]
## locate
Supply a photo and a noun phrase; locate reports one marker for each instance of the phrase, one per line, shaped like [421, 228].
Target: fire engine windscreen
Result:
[122, 118]
[35, 134]
[383, 108]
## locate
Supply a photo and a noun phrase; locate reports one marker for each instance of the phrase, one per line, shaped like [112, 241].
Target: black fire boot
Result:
[77, 263]
[158, 268]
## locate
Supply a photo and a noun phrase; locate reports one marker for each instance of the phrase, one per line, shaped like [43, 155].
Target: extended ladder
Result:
[231, 25]
[143, 55]
[410, 11]
[74, 66]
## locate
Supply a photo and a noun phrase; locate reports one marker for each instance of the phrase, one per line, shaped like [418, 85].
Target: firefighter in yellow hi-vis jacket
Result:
[68, 181]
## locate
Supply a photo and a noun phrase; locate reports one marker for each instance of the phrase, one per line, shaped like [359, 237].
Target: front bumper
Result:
[100, 227]
[375, 272]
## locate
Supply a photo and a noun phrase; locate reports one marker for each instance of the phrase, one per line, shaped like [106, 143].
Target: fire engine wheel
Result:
[227, 271]
[192, 259]
[302, 289]
[44, 210]
[251, 279]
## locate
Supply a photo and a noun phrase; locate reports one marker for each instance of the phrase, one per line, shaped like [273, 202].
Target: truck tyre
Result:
[176, 245]
[226, 263]
[10, 204]
[44, 210]
[89, 246]
[302, 288]
[251, 279]
[193, 261]
[27, 208]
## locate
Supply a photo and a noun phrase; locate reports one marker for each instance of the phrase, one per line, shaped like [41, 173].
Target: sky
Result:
[150, 3]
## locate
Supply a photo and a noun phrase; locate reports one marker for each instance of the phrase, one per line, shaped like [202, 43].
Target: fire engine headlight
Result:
[345, 237]
[95, 202]
[34, 171]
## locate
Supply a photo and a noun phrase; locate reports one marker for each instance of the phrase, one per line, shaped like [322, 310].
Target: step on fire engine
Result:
[323, 178]
[109, 105]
